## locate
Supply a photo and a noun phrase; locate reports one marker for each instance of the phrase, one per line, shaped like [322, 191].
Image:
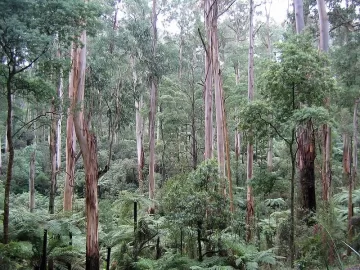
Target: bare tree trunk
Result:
[52, 147]
[324, 46]
[70, 142]
[250, 149]
[181, 52]
[193, 132]
[139, 130]
[269, 49]
[348, 179]
[152, 115]
[219, 110]
[324, 26]
[88, 146]
[139, 142]
[299, 15]
[59, 111]
[10, 159]
[237, 154]
[270, 154]
[355, 151]
[32, 182]
[208, 86]
[0, 157]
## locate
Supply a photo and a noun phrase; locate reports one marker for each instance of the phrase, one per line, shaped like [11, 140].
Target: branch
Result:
[226, 9]
[33, 61]
[142, 245]
[257, 30]
[203, 43]
[31, 122]
[275, 129]
[102, 172]
[78, 155]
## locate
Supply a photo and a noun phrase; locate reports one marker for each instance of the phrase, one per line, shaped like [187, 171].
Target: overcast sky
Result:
[279, 9]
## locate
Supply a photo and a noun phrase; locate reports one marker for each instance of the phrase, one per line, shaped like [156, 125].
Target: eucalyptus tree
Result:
[250, 148]
[27, 31]
[88, 145]
[208, 84]
[154, 80]
[324, 46]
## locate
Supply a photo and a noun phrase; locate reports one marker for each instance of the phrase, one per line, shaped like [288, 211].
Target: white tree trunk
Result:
[324, 26]
[88, 146]
[299, 15]
[208, 85]
[59, 111]
[32, 182]
[250, 149]
[152, 115]
[70, 142]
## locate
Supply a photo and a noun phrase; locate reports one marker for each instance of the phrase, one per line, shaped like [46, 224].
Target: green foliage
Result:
[196, 198]
[299, 76]
[13, 254]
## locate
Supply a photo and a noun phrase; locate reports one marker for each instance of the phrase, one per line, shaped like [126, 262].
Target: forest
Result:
[179, 134]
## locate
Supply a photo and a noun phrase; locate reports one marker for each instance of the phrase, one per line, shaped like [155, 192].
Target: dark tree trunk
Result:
[44, 252]
[307, 169]
[199, 241]
[32, 182]
[10, 160]
[52, 147]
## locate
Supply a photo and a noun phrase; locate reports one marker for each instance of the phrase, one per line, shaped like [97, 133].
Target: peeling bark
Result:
[88, 146]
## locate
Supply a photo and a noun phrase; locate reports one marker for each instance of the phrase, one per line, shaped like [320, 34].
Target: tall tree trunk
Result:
[355, 151]
[152, 114]
[53, 163]
[219, 110]
[353, 176]
[299, 15]
[59, 119]
[324, 26]
[269, 49]
[292, 194]
[324, 46]
[193, 131]
[181, 45]
[88, 147]
[208, 86]
[250, 149]
[10, 158]
[139, 141]
[1, 157]
[237, 154]
[70, 142]
[32, 182]
[348, 180]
